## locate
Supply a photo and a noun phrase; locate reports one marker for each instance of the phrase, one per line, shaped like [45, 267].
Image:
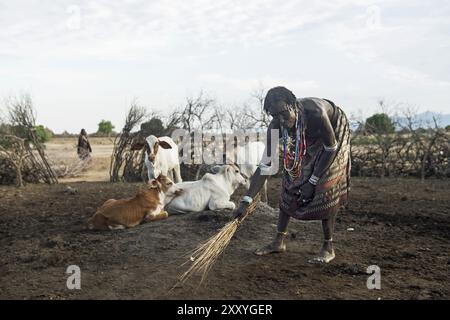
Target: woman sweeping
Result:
[316, 165]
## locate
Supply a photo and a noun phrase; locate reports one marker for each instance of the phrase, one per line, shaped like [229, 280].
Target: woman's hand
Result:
[237, 214]
[306, 194]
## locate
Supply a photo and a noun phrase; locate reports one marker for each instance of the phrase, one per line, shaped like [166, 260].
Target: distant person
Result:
[84, 147]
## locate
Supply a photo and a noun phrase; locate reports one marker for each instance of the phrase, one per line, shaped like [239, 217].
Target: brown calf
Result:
[147, 205]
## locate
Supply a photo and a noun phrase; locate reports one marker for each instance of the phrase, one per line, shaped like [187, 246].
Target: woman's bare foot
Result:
[326, 254]
[274, 247]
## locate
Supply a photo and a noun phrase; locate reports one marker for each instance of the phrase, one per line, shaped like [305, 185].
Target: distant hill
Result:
[425, 119]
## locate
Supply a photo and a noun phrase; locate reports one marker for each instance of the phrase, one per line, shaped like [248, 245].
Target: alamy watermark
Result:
[374, 280]
[73, 22]
[74, 280]
[373, 18]
[238, 147]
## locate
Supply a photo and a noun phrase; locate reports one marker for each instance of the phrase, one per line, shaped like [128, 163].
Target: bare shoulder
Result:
[315, 108]
[313, 104]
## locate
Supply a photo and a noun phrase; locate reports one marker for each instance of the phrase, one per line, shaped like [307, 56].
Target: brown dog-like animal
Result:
[147, 205]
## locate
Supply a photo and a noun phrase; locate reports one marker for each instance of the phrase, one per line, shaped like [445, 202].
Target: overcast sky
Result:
[83, 61]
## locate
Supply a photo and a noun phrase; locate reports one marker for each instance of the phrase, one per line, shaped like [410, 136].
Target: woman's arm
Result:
[264, 168]
[329, 145]
[320, 121]
[89, 145]
[259, 177]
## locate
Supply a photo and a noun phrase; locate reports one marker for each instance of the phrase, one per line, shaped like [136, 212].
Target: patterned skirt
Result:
[83, 153]
[333, 187]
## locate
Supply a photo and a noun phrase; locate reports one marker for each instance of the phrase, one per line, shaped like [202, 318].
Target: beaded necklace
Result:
[300, 147]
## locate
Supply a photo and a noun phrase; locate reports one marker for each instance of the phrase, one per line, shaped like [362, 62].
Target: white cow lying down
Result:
[212, 192]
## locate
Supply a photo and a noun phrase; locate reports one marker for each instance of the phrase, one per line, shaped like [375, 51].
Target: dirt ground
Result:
[401, 225]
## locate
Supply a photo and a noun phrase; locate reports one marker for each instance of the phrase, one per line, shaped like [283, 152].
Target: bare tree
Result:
[172, 122]
[424, 141]
[235, 118]
[219, 114]
[384, 140]
[22, 116]
[198, 113]
[413, 149]
[259, 95]
[241, 118]
[251, 114]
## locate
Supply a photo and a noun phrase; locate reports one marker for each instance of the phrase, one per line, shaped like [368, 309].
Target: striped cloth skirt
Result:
[333, 187]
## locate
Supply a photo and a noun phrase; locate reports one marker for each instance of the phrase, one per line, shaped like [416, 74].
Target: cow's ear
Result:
[179, 192]
[153, 183]
[164, 144]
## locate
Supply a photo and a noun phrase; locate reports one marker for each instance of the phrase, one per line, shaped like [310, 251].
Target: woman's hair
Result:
[279, 94]
[83, 132]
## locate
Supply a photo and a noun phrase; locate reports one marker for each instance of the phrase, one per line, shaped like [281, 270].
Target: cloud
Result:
[348, 50]
[238, 90]
[249, 84]
[397, 48]
[130, 27]
[413, 77]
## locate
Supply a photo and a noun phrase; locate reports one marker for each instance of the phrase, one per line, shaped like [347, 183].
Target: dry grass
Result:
[71, 169]
[206, 254]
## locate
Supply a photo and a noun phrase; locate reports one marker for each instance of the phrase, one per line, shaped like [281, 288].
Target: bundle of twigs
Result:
[121, 151]
[206, 254]
[23, 115]
[70, 169]
[16, 154]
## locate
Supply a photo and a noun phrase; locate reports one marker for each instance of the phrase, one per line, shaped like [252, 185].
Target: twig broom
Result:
[206, 254]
